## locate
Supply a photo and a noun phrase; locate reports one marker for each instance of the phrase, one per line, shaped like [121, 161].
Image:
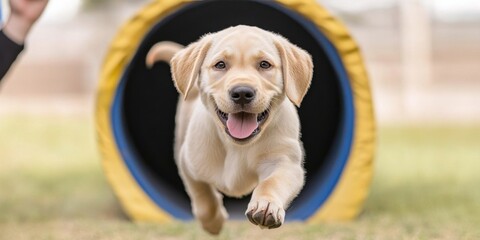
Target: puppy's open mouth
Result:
[242, 126]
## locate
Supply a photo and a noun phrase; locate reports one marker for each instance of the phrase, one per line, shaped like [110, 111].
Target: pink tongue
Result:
[241, 125]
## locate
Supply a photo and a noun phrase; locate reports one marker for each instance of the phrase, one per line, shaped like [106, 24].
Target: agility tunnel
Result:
[135, 112]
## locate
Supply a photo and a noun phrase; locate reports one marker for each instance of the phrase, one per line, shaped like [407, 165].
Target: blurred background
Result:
[423, 58]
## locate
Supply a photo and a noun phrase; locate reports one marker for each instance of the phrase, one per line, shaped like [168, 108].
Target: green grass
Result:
[426, 186]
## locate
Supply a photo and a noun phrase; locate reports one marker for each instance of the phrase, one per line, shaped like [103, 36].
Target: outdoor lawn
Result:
[426, 186]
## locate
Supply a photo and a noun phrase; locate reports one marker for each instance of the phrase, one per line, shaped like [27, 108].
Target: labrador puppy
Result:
[237, 127]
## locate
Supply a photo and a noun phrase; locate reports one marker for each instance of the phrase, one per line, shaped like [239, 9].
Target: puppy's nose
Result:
[242, 95]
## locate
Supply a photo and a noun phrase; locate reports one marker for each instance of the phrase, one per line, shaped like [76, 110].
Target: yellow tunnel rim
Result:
[113, 76]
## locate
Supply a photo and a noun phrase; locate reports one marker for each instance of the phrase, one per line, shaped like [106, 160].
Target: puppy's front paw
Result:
[266, 214]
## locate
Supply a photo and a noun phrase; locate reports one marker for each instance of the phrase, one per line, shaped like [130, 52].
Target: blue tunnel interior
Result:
[143, 111]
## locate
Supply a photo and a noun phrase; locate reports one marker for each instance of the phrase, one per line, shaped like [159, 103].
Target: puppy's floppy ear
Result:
[186, 64]
[297, 69]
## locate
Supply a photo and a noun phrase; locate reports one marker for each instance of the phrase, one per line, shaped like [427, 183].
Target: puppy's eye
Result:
[220, 65]
[265, 65]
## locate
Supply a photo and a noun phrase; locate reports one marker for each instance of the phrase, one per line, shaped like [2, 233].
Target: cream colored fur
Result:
[210, 161]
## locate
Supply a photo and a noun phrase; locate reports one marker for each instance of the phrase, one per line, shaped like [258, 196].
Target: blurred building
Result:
[423, 57]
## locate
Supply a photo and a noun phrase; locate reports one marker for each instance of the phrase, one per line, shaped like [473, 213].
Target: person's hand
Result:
[23, 14]
[28, 10]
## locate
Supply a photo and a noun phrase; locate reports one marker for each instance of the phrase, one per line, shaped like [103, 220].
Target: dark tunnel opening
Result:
[148, 99]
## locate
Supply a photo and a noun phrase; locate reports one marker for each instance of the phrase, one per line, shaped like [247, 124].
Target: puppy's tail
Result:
[162, 51]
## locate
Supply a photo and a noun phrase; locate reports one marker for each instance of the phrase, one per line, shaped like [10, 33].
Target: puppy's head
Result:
[243, 73]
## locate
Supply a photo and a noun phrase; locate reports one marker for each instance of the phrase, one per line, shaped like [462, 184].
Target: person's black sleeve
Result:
[9, 51]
